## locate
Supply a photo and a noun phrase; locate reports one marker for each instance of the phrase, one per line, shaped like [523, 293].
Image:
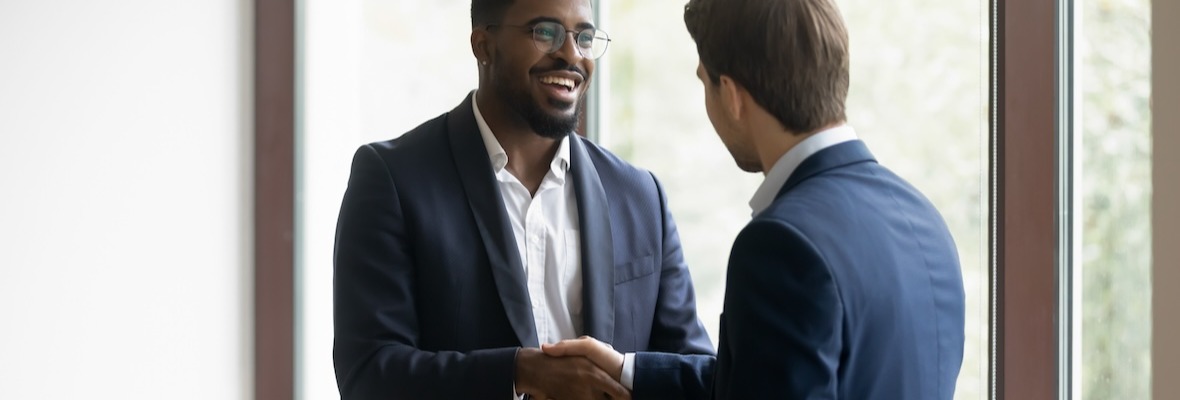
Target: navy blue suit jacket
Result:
[430, 293]
[847, 287]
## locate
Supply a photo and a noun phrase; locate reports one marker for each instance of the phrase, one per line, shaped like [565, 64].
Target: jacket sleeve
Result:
[676, 328]
[780, 331]
[782, 320]
[673, 376]
[375, 351]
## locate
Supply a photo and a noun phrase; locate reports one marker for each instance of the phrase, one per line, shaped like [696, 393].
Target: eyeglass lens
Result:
[550, 36]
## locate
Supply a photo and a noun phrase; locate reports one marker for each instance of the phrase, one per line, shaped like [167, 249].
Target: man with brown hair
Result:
[846, 284]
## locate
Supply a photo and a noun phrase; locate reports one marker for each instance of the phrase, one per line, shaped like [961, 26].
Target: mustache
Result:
[560, 65]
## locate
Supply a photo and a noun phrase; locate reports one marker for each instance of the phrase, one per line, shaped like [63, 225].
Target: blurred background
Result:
[126, 162]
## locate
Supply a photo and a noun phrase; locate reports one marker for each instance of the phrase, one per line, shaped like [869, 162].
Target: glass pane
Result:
[916, 61]
[1113, 185]
[370, 70]
[918, 98]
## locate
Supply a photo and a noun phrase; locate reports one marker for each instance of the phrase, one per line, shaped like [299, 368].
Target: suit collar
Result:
[847, 153]
[598, 279]
[786, 165]
[487, 207]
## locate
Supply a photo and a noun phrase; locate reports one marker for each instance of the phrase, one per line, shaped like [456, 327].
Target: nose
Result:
[568, 50]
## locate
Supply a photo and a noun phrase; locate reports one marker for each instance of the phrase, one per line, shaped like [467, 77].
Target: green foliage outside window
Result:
[1114, 45]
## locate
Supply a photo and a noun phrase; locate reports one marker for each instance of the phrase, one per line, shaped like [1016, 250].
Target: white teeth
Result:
[568, 83]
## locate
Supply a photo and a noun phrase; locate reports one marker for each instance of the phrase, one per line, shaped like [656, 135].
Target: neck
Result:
[773, 141]
[529, 154]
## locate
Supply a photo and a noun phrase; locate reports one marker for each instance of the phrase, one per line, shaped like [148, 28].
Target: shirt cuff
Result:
[627, 378]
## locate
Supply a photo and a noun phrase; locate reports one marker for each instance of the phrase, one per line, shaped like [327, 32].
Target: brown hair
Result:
[791, 55]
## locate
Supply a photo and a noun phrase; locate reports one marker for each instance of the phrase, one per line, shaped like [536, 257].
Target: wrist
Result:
[522, 375]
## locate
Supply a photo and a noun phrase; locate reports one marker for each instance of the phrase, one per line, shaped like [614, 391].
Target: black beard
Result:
[544, 124]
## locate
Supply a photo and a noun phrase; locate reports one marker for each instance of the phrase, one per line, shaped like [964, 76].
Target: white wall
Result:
[125, 182]
[1166, 199]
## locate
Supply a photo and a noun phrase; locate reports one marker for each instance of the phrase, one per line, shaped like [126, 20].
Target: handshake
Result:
[582, 368]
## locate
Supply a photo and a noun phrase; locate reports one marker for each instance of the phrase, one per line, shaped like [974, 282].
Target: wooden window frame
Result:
[274, 199]
[1165, 95]
[1024, 237]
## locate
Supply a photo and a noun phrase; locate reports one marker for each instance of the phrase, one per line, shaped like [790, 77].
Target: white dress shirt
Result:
[547, 236]
[775, 179]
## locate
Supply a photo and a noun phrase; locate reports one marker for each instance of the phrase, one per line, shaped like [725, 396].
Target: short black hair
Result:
[488, 12]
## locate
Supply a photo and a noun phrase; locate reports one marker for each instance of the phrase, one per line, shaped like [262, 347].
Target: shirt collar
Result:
[499, 158]
[786, 165]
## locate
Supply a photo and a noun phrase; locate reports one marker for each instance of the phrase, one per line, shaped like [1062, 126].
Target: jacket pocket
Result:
[635, 269]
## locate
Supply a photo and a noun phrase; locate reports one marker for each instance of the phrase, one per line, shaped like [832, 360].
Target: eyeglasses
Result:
[550, 36]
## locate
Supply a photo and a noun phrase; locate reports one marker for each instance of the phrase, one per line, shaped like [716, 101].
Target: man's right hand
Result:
[566, 378]
[602, 354]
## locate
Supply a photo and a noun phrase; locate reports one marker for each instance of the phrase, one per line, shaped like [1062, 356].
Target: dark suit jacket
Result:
[847, 287]
[430, 294]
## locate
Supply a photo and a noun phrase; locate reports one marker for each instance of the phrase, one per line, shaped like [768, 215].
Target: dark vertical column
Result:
[1025, 235]
[1165, 204]
[274, 199]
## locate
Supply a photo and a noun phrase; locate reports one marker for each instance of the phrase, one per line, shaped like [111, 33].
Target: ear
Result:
[481, 44]
[732, 97]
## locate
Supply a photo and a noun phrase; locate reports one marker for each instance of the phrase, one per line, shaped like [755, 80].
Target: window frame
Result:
[274, 199]
[1165, 92]
[1025, 233]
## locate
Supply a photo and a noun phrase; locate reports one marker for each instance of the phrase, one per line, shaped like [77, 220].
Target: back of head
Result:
[488, 12]
[790, 55]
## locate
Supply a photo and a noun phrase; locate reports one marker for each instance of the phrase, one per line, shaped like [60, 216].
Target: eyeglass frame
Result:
[559, 40]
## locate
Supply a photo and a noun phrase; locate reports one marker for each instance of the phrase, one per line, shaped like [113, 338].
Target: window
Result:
[920, 97]
[1112, 184]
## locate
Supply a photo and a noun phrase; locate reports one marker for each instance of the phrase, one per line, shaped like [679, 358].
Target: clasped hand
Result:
[575, 369]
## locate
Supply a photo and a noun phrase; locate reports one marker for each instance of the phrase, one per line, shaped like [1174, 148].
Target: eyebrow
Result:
[579, 26]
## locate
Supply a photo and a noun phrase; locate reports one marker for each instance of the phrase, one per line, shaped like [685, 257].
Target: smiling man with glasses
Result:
[469, 241]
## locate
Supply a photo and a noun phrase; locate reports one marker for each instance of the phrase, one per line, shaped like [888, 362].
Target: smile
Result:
[569, 84]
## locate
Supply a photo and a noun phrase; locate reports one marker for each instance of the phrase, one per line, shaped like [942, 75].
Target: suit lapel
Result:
[842, 154]
[598, 278]
[487, 206]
